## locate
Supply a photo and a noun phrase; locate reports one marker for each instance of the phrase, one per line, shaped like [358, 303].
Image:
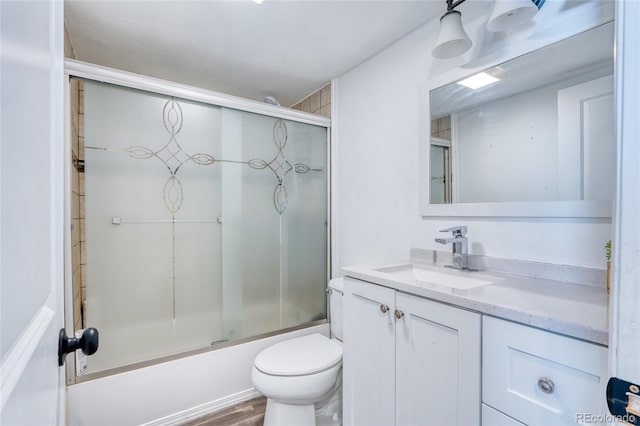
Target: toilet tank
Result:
[336, 289]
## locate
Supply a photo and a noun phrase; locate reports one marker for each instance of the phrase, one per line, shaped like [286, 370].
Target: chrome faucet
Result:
[459, 243]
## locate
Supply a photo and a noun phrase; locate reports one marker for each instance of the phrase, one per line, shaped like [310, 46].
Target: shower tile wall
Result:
[318, 102]
[77, 191]
[441, 127]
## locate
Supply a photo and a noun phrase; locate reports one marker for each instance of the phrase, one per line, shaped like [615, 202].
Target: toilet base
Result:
[278, 414]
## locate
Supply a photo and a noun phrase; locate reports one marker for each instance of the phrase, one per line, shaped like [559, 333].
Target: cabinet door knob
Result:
[399, 314]
[546, 385]
[384, 309]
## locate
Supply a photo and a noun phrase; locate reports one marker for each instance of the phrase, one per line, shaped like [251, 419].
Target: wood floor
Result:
[250, 413]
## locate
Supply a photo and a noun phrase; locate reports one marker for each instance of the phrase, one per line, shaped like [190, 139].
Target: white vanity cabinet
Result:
[537, 377]
[408, 360]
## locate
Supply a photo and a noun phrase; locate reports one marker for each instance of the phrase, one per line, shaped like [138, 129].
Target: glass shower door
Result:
[153, 258]
[275, 224]
[203, 225]
[440, 192]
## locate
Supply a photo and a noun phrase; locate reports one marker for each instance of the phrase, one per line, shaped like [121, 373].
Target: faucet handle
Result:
[458, 231]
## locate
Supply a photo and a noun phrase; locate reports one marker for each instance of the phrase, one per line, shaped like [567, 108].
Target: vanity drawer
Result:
[493, 417]
[541, 378]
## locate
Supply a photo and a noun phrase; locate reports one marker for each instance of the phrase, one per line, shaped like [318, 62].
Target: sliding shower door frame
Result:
[84, 70]
[87, 71]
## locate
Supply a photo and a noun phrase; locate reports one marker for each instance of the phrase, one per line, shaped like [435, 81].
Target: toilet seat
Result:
[301, 356]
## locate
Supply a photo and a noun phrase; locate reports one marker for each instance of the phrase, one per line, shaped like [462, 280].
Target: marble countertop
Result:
[573, 309]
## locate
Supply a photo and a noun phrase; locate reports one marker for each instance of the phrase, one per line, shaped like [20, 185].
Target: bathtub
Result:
[172, 392]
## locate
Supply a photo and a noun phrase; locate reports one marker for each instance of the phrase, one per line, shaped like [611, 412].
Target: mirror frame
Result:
[596, 209]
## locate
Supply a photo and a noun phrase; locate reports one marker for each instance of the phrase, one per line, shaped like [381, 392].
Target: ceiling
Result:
[287, 49]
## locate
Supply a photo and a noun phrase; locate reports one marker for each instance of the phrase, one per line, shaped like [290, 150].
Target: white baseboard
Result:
[204, 409]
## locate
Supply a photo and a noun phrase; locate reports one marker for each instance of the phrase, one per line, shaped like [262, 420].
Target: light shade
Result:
[510, 13]
[452, 40]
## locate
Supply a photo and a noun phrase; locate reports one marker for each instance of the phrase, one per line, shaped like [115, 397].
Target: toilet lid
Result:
[299, 356]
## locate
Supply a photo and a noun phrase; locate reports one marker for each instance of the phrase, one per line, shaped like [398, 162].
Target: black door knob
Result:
[88, 343]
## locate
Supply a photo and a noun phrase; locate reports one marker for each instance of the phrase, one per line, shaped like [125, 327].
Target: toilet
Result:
[302, 377]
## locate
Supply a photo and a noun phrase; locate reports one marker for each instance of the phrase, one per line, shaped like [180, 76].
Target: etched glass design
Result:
[173, 156]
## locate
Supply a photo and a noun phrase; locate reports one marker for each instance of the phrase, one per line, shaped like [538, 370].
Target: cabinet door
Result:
[369, 354]
[437, 364]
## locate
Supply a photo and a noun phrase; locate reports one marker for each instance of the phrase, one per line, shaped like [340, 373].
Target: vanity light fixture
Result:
[453, 40]
[510, 13]
[478, 80]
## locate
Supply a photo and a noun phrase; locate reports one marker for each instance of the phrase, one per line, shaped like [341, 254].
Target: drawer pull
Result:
[384, 309]
[546, 385]
[399, 314]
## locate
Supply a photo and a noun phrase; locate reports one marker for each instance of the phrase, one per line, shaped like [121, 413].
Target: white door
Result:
[31, 218]
[369, 354]
[624, 340]
[586, 135]
[437, 363]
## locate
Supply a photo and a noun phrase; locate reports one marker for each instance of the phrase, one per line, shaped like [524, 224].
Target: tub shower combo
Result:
[204, 225]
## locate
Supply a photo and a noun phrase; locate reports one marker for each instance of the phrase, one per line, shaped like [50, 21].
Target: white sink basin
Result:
[454, 279]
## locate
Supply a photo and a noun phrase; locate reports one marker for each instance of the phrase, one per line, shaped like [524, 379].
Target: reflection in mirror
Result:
[540, 127]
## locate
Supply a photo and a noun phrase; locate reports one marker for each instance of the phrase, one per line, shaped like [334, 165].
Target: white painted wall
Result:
[378, 129]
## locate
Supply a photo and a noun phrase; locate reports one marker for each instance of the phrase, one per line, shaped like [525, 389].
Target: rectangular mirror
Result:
[537, 128]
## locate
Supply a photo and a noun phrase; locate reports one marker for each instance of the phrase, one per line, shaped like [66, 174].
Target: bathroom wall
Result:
[379, 128]
[319, 102]
[68, 47]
